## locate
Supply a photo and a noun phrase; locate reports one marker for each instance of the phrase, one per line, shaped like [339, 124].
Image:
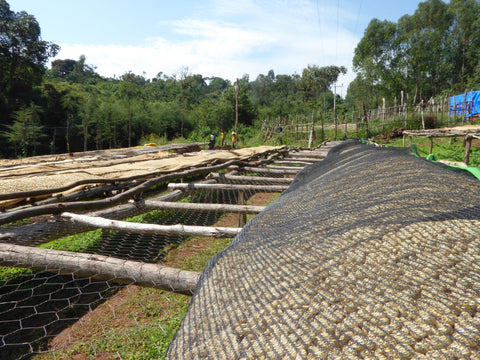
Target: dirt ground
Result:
[116, 313]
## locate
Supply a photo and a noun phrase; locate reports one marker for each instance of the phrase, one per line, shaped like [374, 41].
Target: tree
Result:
[376, 54]
[129, 93]
[434, 50]
[465, 34]
[88, 109]
[22, 54]
[63, 67]
[70, 104]
[316, 80]
[26, 132]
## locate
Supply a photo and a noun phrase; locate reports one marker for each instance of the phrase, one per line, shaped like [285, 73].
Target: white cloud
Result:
[243, 37]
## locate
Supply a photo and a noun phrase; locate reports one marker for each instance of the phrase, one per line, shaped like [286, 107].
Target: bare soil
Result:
[123, 311]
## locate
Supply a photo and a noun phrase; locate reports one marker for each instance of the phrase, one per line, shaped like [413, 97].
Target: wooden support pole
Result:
[126, 226]
[468, 146]
[99, 267]
[242, 217]
[167, 205]
[431, 145]
[275, 170]
[225, 178]
[314, 154]
[308, 160]
[276, 167]
[228, 187]
[294, 162]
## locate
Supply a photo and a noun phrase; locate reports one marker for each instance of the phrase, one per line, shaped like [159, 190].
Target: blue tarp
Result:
[466, 104]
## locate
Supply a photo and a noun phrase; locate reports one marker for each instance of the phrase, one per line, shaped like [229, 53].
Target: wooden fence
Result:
[365, 122]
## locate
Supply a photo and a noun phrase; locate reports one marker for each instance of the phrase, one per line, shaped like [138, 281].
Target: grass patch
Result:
[76, 243]
[444, 149]
[9, 273]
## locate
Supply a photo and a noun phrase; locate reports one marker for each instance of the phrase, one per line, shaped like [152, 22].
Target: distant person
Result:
[211, 144]
[222, 138]
[234, 140]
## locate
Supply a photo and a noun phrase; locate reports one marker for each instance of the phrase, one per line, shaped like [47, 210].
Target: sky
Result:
[224, 38]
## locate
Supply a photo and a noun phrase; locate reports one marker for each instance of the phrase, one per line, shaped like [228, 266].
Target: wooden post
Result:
[441, 110]
[423, 119]
[356, 126]
[365, 118]
[296, 127]
[448, 107]
[431, 145]
[402, 112]
[454, 111]
[406, 113]
[311, 134]
[468, 145]
[383, 115]
[323, 131]
[242, 217]
[395, 110]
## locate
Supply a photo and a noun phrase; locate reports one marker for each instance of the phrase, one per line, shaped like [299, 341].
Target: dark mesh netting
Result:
[371, 253]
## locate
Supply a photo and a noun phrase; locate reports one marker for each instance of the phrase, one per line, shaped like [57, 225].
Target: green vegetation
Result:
[432, 52]
[69, 107]
[443, 149]
[77, 243]
[8, 273]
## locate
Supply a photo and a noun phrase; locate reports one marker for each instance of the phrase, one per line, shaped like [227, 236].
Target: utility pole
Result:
[335, 107]
[236, 113]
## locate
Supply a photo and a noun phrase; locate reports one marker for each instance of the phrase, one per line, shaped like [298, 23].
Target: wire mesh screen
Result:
[370, 254]
[67, 314]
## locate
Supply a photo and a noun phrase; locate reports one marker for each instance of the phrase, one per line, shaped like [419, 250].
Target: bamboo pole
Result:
[126, 226]
[99, 267]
